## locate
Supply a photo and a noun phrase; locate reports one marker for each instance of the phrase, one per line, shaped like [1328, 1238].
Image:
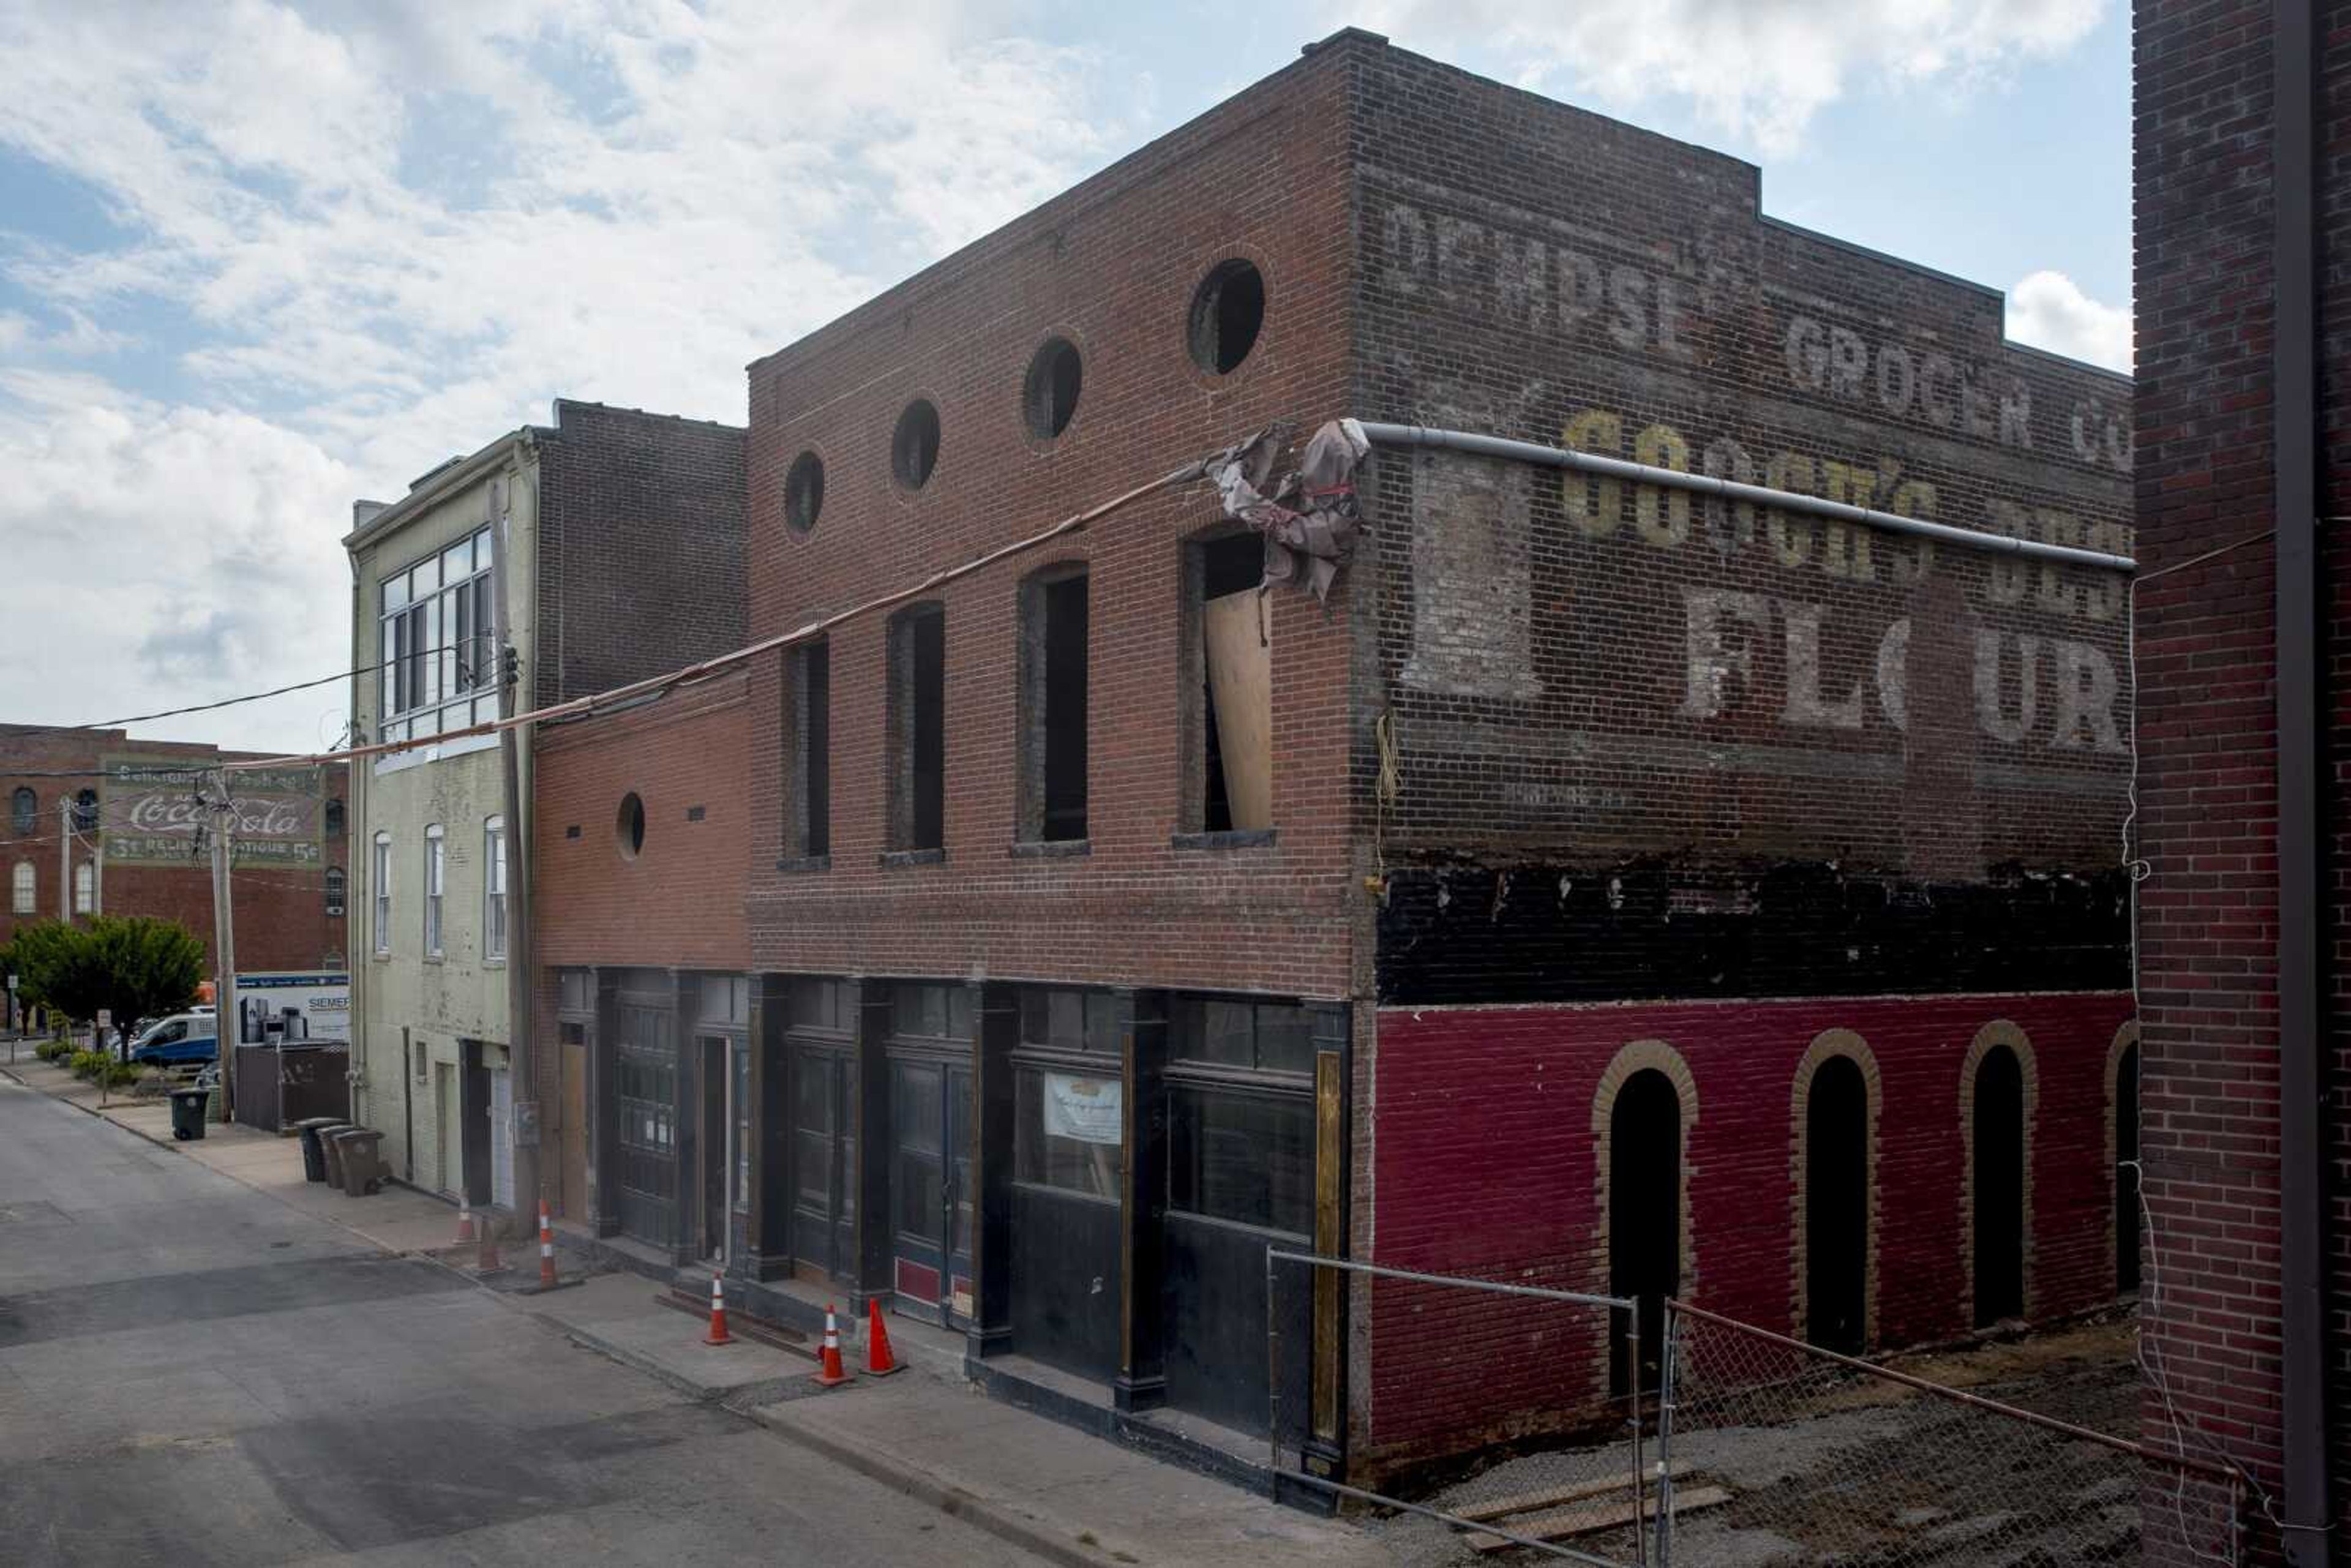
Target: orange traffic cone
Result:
[464, 1224]
[828, 1372]
[879, 1362]
[486, 1259]
[546, 1249]
[717, 1334]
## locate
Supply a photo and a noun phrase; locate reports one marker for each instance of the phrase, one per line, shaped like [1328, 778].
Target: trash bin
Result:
[331, 1151]
[314, 1155]
[188, 1113]
[363, 1160]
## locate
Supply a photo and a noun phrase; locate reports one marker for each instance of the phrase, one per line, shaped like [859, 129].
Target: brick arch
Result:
[1831, 1044]
[1639, 1056]
[2125, 1038]
[1999, 1032]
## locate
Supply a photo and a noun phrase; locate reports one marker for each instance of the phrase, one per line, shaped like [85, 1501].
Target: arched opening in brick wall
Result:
[2125, 1136]
[1644, 1217]
[1999, 1184]
[1836, 1207]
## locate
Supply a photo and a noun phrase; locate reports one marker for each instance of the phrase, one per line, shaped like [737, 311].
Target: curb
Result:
[992, 1515]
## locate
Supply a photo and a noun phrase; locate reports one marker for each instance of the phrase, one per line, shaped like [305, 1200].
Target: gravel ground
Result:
[1867, 1474]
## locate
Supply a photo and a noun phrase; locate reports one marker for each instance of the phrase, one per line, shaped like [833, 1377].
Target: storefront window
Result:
[1259, 1036]
[930, 1012]
[1069, 1020]
[1245, 1157]
[819, 1004]
[1071, 1132]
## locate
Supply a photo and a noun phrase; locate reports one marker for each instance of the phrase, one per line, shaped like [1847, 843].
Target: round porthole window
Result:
[628, 828]
[914, 445]
[1049, 395]
[1228, 313]
[804, 492]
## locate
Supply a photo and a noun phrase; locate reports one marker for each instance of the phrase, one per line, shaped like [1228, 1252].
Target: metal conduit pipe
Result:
[1732, 491]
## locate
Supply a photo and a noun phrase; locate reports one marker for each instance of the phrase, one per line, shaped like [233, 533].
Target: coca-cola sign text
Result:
[151, 813]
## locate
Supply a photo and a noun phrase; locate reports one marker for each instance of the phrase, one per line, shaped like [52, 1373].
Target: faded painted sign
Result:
[150, 814]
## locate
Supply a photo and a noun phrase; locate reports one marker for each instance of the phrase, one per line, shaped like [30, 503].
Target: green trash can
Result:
[188, 1113]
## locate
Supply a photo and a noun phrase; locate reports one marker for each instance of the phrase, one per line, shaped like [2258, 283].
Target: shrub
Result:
[89, 1063]
[118, 1074]
[52, 1050]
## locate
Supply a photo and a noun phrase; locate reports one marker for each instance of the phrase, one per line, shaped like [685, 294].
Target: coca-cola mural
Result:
[150, 815]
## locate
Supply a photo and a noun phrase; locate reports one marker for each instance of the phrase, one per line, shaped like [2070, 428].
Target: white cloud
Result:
[1757, 71]
[2050, 311]
[386, 234]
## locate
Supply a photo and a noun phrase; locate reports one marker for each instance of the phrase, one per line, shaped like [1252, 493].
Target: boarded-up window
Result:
[1229, 649]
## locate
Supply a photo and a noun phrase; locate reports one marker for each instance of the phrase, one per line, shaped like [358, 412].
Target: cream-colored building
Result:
[433, 850]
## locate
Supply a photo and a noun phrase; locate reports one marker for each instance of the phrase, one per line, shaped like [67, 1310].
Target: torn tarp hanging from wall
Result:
[1308, 517]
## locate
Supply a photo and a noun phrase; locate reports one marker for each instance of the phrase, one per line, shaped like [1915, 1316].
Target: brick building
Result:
[107, 801]
[2242, 306]
[1108, 919]
[621, 541]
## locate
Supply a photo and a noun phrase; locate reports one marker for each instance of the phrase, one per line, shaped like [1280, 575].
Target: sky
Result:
[259, 259]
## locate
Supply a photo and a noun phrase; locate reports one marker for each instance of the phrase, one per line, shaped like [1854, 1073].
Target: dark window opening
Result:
[808, 691]
[1049, 397]
[334, 819]
[1999, 1187]
[1069, 1020]
[1231, 711]
[1245, 1159]
[1228, 312]
[24, 810]
[1260, 1037]
[1053, 708]
[335, 893]
[85, 811]
[1836, 1207]
[628, 826]
[2126, 1173]
[936, 1011]
[918, 648]
[1645, 1219]
[804, 492]
[914, 445]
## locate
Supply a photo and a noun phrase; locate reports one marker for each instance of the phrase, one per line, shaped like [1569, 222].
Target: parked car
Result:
[173, 1028]
[186, 1052]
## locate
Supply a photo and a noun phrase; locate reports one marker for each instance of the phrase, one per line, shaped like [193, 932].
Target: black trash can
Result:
[188, 1113]
[314, 1155]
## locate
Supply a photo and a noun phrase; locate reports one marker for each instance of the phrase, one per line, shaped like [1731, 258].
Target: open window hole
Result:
[1228, 313]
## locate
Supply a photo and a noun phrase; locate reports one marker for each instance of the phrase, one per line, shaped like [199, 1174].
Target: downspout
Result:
[2301, 1196]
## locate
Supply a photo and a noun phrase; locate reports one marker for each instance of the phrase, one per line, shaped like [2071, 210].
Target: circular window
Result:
[1227, 311]
[915, 445]
[804, 492]
[1049, 396]
[629, 829]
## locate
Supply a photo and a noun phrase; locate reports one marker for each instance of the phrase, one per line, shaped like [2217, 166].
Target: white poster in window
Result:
[1088, 1110]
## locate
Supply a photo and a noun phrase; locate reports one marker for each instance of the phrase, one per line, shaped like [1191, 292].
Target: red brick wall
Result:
[680, 902]
[2208, 910]
[1112, 266]
[1518, 1198]
[281, 916]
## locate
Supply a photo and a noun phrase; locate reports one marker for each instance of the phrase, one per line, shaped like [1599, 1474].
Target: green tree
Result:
[39, 956]
[146, 967]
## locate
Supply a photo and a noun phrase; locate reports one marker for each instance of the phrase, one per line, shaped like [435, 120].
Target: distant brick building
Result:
[1109, 921]
[105, 800]
[2243, 301]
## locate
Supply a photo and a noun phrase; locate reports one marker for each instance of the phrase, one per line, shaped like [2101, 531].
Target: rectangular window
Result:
[494, 888]
[1253, 1036]
[820, 1004]
[1053, 705]
[918, 658]
[22, 894]
[1228, 687]
[930, 1012]
[1244, 1157]
[85, 888]
[808, 689]
[436, 874]
[380, 891]
[1071, 1131]
[438, 641]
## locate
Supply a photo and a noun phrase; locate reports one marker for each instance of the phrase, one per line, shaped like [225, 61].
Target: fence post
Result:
[1640, 1481]
[1272, 1385]
[1665, 1435]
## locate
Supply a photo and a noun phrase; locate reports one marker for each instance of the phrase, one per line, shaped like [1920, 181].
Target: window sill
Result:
[1052, 849]
[1230, 838]
[913, 857]
[799, 863]
[490, 963]
[435, 958]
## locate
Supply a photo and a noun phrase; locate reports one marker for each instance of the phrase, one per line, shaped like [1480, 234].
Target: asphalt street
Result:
[193, 1372]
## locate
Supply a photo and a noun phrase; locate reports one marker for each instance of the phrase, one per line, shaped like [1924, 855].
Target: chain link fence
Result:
[1776, 1452]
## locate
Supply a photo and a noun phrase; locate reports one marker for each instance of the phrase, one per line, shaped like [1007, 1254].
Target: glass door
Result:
[930, 1186]
[823, 1162]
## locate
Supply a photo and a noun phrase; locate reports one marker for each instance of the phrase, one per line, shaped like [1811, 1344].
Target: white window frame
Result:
[436, 890]
[380, 891]
[437, 640]
[85, 894]
[24, 894]
[494, 890]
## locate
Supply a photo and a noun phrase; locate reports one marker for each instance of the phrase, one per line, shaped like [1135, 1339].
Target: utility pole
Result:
[65, 857]
[223, 942]
[521, 1060]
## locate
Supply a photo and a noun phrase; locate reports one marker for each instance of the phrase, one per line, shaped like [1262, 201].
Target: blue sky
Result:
[259, 259]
